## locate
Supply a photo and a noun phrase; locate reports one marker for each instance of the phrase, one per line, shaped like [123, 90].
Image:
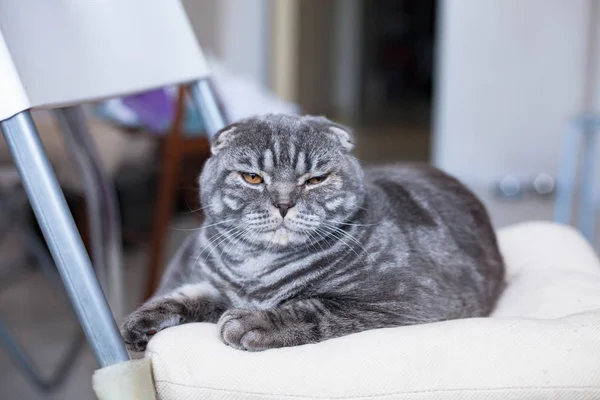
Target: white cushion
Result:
[543, 341]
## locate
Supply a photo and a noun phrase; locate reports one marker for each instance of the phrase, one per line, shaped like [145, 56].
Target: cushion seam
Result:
[513, 388]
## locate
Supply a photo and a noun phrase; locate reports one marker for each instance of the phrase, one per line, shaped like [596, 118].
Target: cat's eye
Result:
[316, 179]
[254, 179]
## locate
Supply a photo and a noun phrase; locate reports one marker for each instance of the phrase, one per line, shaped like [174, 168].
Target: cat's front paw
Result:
[249, 330]
[139, 327]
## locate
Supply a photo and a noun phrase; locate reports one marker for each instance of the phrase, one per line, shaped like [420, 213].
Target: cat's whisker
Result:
[226, 236]
[213, 242]
[305, 243]
[315, 237]
[204, 226]
[195, 210]
[340, 238]
[341, 234]
[232, 239]
[308, 233]
[342, 241]
[356, 241]
[227, 242]
[220, 234]
[318, 241]
[210, 242]
[348, 224]
[253, 232]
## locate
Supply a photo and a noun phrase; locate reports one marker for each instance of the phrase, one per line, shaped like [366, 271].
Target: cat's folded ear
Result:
[339, 132]
[223, 138]
[343, 135]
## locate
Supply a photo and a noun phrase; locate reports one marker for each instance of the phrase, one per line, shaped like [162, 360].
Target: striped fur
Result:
[362, 249]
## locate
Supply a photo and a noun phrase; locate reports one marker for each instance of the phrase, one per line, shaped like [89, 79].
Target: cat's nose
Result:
[283, 208]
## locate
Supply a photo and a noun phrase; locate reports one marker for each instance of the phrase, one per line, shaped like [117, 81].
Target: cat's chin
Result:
[283, 236]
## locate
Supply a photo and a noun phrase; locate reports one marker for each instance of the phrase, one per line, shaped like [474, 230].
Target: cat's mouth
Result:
[284, 232]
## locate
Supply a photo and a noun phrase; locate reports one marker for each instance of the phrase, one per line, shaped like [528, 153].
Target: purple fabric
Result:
[155, 109]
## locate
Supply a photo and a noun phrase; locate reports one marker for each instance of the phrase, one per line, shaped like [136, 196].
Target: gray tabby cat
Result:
[300, 244]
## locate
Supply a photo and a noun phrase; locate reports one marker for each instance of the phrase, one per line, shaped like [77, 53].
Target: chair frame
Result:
[581, 135]
[58, 227]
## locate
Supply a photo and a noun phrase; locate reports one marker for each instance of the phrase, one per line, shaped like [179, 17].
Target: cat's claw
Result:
[136, 340]
[139, 327]
[248, 330]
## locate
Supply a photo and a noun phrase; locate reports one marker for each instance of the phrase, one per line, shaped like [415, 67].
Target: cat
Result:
[300, 244]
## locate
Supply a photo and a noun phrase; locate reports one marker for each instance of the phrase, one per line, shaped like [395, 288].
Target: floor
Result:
[44, 323]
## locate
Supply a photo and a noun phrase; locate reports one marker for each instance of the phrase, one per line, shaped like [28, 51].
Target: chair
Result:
[165, 113]
[582, 132]
[174, 148]
[60, 54]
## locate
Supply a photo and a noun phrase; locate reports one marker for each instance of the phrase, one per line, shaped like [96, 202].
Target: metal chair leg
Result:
[567, 174]
[205, 99]
[101, 203]
[36, 251]
[587, 193]
[28, 367]
[584, 127]
[61, 235]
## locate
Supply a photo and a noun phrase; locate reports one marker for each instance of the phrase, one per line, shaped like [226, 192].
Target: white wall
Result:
[510, 73]
[245, 36]
[235, 31]
[204, 16]
[346, 58]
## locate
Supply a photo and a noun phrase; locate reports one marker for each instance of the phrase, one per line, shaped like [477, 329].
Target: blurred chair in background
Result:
[165, 113]
[182, 141]
[582, 132]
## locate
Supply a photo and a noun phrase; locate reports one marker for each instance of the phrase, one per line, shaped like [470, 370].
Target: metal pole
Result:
[60, 233]
[567, 173]
[102, 206]
[587, 197]
[205, 99]
[92, 199]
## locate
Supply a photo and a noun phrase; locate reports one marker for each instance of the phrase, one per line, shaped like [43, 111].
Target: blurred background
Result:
[485, 90]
